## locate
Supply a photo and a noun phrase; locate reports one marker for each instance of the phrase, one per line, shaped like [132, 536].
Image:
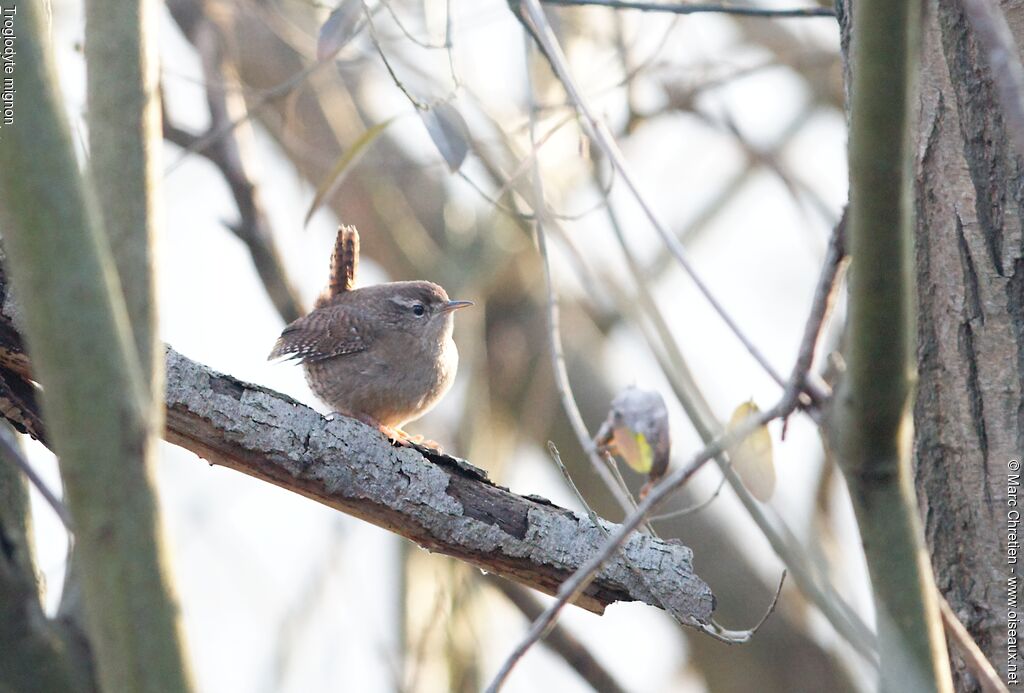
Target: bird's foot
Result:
[394, 434]
[399, 436]
[405, 440]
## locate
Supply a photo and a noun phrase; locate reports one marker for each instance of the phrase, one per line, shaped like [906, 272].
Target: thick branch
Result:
[441, 503]
[124, 142]
[80, 339]
[871, 420]
[693, 8]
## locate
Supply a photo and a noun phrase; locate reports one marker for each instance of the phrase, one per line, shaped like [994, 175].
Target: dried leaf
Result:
[752, 458]
[338, 30]
[449, 132]
[337, 175]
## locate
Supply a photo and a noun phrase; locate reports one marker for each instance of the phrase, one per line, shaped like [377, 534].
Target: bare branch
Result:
[697, 8]
[12, 455]
[559, 640]
[787, 404]
[224, 148]
[969, 650]
[557, 354]
[597, 130]
[824, 293]
[441, 503]
[579, 580]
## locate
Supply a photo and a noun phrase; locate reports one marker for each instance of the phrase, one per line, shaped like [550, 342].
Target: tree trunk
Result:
[969, 415]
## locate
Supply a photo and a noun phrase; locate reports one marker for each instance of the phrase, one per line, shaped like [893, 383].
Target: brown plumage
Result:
[383, 354]
[344, 264]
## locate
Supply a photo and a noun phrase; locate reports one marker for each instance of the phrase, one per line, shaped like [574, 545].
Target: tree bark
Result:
[442, 503]
[969, 416]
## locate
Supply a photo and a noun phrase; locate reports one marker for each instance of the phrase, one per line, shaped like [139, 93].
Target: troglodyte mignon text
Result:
[382, 354]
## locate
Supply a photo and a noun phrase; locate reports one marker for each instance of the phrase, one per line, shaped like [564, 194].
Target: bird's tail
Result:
[344, 264]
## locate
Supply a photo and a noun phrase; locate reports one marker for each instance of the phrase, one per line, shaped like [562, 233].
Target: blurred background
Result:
[735, 130]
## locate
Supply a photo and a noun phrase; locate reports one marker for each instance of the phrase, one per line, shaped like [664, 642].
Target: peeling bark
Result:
[441, 503]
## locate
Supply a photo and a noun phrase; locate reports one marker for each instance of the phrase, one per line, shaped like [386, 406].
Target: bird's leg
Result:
[394, 434]
[400, 437]
[397, 435]
[406, 440]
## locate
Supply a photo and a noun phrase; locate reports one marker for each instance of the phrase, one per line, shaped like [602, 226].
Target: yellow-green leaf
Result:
[752, 458]
[633, 448]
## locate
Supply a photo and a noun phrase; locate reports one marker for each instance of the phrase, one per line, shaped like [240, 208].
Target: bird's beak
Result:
[455, 305]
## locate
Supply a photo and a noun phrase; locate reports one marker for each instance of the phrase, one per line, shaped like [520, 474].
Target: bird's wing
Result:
[325, 333]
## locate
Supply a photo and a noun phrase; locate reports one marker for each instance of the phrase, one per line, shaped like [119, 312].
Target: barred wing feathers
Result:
[325, 333]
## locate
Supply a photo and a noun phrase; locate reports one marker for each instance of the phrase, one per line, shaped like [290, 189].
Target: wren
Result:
[383, 354]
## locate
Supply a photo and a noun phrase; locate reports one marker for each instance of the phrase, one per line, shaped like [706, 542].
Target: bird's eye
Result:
[418, 309]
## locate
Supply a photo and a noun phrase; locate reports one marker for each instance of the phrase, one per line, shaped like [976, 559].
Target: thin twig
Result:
[559, 640]
[562, 384]
[10, 452]
[846, 622]
[690, 509]
[564, 388]
[824, 293]
[419, 105]
[738, 637]
[786, 405]
[579, 580]
[699, 8]
[974, 658]
[447, 46]
[407, 33]
[598, 131]
[227, 153]
[732, 637]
